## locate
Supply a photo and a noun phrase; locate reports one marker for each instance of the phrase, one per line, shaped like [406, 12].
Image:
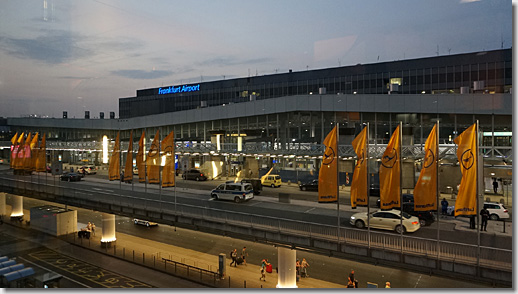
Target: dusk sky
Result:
[58, 55]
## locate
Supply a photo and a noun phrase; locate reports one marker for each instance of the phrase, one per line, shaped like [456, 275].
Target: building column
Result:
[287, 260]
[2, 205]
[17, 206]
[108, 228]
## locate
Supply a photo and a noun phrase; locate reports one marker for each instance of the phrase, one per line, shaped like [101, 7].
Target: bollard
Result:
[229, 281]
[123, 252]
[133, 255]
[504, 225]
[154, 265]
[114, 250]
[143, 258]
[244, 283]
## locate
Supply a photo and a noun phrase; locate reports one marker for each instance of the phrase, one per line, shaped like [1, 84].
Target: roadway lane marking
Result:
[418, 281]
[309, 210]
[103, 190]
[77, 282]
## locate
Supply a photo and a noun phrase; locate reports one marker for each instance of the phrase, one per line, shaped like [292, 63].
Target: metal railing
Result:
[495, 258]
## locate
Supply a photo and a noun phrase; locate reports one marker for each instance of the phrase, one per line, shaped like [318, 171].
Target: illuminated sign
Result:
[179, 89]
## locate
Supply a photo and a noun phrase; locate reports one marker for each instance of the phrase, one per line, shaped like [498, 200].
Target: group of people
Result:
[302, 268]
[91, 227]
[238, 260]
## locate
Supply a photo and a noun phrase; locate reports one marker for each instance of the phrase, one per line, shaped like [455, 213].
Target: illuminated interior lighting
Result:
[105, 149]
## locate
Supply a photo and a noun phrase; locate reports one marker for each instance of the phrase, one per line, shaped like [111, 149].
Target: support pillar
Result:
[287, 260]
[17, 206]
[108, 229]
[2, 205]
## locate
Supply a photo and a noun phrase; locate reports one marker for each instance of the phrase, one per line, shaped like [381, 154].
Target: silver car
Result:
[386, 220]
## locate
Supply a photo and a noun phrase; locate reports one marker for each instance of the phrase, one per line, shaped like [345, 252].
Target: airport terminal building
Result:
[280, 120]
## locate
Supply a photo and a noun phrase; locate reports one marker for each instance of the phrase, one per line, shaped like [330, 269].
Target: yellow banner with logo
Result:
[327, 177]
[467, 154]
[141, 165]
[128, 167]
[425, 191]
[26, 155]
[41, 157]
[390, 173]
[34, 152]
[168, 172]
[359, 184]
[115, 161]
[13, 149]
[153, 161]
[17, 148]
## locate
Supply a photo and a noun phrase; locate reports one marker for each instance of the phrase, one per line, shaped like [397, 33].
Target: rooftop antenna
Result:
[339, 62]
[449, 51]
[502, 41]
[437, 50]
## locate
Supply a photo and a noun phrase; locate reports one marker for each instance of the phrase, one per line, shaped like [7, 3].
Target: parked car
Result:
[309, 186]
[426, 218]
[374, 190]
[256, 185]
[407, 198]
[194, 174]
[71, 177]
[271, 180]
[135, 171]
[386, 220]
[237, 192]
[496, 210]
[144, 222]
[89, 170]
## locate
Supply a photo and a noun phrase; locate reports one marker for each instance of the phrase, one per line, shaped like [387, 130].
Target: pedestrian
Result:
[484, 213]
[387, 284]
[472, 222]
[444, 205]
[350, 283]
[304, 264]
[263, 273]
[233, 255]
[495, 185]
[93, 229]
[89, 226]
[351, 277]
[244, 254]
[297, 266]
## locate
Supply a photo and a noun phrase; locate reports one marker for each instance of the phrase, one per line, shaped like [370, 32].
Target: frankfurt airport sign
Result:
[179, 89]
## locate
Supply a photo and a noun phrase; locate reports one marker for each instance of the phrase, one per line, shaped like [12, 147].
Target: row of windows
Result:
[490, 77]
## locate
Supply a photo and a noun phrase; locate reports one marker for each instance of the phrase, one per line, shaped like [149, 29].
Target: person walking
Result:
[93, 229]
[387, 284]
[484, 213]
[244, 254]
[350, 284]
[351, 277]
[444, 205]
[495, 186]
[263, 273]
[304, 265]
[233, 255]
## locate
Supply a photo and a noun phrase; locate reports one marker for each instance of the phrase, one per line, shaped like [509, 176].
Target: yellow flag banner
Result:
[13, 149]
[327, 177]
[389, 174]
[34, 152]
[40, 159]
[16, 150]
[425, 191]
[467, 154]
[168, 172]
[115, 161]
[153, 161]
[141, 165]
[128, 168]
[26, 160]
[359, 183]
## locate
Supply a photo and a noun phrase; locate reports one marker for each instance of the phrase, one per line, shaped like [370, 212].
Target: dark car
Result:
[374, 190]
[71, 177]
[256, 184]
[406, 198]
[194, 174]
[425, 217]
[309, 186]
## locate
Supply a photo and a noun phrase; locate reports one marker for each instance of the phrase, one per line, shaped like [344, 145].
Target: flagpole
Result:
[338, 182]
[368, 187]
[437, 186]
[478, 200]
[400, 182]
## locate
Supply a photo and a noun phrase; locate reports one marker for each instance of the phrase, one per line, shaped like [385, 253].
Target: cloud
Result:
[332, 49]
[230, 61]
[468, 1]
[142, 74]
[54, 47]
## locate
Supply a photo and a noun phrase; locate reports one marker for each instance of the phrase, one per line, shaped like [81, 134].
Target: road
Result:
[197, 194]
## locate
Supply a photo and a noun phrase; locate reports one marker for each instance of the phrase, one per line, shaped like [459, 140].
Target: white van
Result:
[237, 192]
